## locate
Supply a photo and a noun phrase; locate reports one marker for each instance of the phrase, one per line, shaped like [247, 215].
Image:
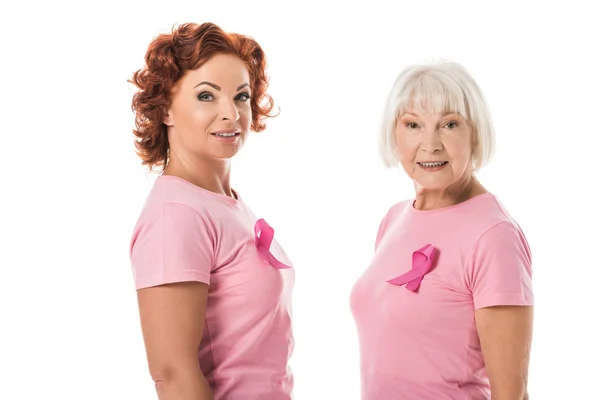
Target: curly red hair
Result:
[168, 58]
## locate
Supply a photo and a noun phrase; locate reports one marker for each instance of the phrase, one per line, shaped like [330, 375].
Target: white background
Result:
[72, 187]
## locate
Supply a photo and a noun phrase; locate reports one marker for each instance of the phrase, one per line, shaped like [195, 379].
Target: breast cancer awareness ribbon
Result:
[263, 237]
[422, 261]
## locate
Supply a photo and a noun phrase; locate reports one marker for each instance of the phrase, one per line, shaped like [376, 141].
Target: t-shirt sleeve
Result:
[499, 271]
[172, 244]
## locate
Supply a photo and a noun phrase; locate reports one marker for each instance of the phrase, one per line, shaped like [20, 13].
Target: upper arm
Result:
[505, 335]
[500, 278]
[172, 319]
[172, 256]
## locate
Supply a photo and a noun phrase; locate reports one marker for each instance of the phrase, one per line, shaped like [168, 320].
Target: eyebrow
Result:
[217, 87]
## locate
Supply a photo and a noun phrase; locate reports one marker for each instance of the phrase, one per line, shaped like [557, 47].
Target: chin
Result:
[225, 152]
[425, 184]
[225, 155]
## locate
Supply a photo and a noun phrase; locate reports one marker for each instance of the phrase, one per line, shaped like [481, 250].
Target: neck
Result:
[210, 174]
[462, 190]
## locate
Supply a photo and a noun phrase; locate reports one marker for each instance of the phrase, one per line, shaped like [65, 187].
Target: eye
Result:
[243, 97]
[411, 125]
[205, 96]
[452, 125]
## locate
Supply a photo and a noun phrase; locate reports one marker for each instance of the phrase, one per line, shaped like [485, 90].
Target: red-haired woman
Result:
[213, 287]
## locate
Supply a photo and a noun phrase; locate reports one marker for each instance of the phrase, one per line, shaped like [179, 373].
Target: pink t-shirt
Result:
[186, 233]
[418, 338]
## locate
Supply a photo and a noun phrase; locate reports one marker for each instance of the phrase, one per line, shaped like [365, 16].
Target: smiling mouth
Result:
[432, 164]
[225, 134]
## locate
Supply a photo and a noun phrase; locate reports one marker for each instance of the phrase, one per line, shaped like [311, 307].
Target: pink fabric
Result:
[422, 343]
[186, 233]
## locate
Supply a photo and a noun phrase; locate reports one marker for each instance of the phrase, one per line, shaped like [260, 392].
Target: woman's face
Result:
[434, 149]
[210, 114]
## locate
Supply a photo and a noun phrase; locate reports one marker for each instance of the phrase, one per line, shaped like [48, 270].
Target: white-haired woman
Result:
[445, 309]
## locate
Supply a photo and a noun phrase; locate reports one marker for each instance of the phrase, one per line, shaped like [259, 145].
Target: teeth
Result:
[225, 134]
[432, 164]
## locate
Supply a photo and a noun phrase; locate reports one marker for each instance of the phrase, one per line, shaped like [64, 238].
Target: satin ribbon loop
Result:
[263, 237]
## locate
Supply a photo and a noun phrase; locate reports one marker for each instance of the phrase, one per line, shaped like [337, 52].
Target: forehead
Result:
[225, 70]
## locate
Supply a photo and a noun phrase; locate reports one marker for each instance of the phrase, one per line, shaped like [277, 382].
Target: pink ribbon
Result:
[263, 237]
[422, 261]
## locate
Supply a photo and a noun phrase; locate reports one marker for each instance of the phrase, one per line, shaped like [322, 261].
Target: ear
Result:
[168, 117]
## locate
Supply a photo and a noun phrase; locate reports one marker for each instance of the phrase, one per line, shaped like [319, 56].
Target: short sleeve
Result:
[499, 271]
[171, 244]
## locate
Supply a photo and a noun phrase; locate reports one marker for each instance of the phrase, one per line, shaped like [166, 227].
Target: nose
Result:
[430, 141]
[228, 110]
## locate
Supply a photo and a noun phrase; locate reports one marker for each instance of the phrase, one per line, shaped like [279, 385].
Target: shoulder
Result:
[393, 212]
[497, 221]
[175, 193]
[503, 232]
[498, 235]
[484, 216]
[173, 200]
[174, 209]
[397, 209]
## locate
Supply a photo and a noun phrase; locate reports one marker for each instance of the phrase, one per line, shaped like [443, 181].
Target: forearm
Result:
[502, 397]
[514, 391]
[512, 383]
[183, 385]
[505, 335]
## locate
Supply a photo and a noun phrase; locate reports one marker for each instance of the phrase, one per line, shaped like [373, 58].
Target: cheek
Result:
[202, 116]
[459, 150]
[407, 149]
[190, 115]
[245, 117]
[462, 147]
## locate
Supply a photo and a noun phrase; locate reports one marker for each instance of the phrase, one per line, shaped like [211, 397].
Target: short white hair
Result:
[437, 87]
